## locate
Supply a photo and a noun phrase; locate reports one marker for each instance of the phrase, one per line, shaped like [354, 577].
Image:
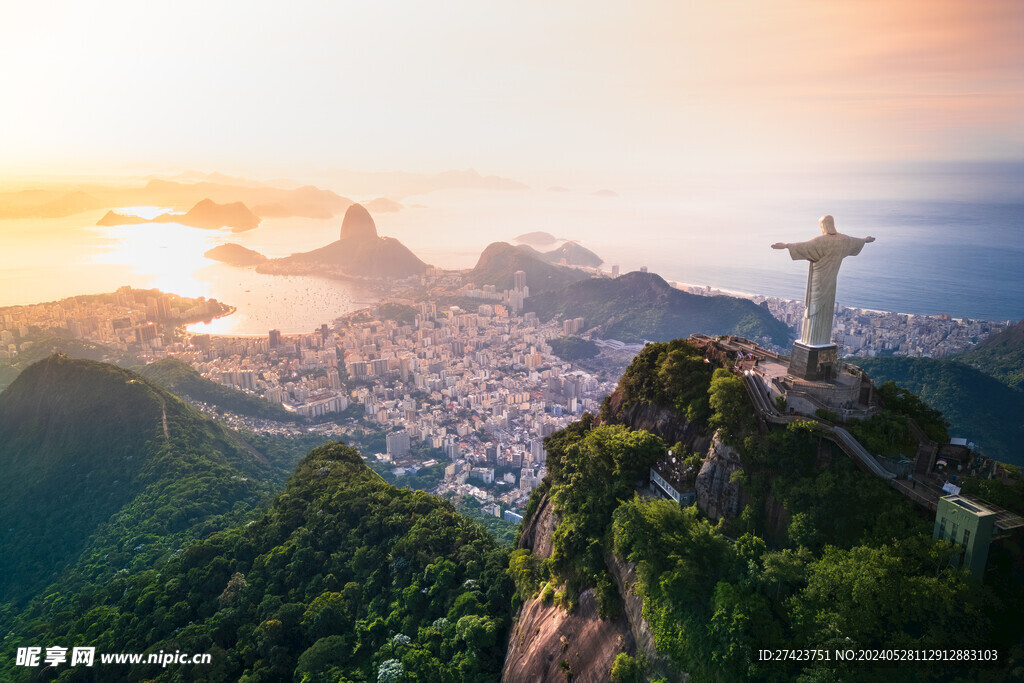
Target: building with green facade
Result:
[968, 524]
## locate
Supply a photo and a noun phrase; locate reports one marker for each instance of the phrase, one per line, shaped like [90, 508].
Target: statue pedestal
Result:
[814, 363]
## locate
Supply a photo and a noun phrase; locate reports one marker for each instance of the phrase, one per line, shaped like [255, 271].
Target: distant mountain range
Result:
[206, 214]
[160, 533]
[572, 253]
[265, 201]
[642, 306]
[359, 252]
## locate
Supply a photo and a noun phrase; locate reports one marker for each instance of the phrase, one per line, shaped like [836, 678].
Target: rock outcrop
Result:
[549, 644]
[358, 224]
[545, 636]
[537, 237]
[539, 529]
[717, 495]
[662, 421]
[624, 574]
[210, 215]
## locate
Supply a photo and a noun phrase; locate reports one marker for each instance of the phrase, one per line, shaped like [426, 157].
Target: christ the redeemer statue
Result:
[826, 254]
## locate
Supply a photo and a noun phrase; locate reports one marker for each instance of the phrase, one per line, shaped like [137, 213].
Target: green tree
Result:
[730, 409]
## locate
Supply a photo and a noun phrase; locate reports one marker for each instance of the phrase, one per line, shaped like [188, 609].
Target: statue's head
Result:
[828, 225]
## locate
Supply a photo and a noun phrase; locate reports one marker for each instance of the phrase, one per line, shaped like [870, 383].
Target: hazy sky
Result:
[552, 89]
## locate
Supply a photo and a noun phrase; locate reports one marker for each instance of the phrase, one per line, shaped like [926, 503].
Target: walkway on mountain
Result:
[922, 488]
[766, 409]
[163, 411]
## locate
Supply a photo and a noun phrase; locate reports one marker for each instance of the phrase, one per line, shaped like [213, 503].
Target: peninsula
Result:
[359, 252]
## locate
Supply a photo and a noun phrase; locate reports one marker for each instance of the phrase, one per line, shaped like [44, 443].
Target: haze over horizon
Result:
[590, 94]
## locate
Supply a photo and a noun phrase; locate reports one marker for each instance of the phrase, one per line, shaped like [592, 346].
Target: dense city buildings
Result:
[139, 320]
[451, 375]
[863, 332]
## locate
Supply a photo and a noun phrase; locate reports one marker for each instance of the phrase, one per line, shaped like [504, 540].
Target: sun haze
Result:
[537, 89]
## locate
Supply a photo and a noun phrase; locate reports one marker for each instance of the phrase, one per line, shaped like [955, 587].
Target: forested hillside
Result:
[815, 555]
[642, 306]
[104, 471]
[166, 535]
[1001, 356]
[181, 380]
[345, 578]
[978, 407]
[48, 345]
[499, 262]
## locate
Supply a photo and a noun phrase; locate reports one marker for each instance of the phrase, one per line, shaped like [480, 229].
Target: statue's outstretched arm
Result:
[783, 245]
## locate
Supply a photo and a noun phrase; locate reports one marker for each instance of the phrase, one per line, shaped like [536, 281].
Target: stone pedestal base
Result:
[814, 363]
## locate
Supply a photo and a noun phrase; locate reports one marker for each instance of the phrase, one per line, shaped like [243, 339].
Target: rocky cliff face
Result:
[545, 636]
[549, 644]
[539, 528]
[665, 422]
[717, 496]
[358, 223]
[659, 665]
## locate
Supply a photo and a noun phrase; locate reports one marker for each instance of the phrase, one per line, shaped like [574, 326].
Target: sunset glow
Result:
[548, 91]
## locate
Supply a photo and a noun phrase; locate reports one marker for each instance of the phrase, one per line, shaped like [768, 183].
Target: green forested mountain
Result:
[1001, 356]
[181, 380]
[978, 407]
[346, 578]
[159, 543]
[642, 306]
[820, 556]
[499, 262]
[103, 470]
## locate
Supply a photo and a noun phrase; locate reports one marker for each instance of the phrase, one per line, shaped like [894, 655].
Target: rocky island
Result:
[235, 255]
[206, 214]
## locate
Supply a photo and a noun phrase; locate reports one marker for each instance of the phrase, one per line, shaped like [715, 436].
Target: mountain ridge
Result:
[637, 307]
[206, 214]
[81, 441]
[499, 261]
[573, 253]
[1001, 356]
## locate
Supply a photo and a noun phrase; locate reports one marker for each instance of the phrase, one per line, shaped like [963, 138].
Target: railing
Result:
[845, 440]
[853, 448]
[683, 499]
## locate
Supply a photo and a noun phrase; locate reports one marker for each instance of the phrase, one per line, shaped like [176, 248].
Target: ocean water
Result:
[958, 251]
[964, 258]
